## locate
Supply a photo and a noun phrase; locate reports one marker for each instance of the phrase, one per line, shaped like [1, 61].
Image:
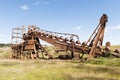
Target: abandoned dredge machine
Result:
[25, 42]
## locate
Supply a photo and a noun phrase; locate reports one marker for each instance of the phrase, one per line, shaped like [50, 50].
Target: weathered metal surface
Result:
[97, 37]
[64, 41]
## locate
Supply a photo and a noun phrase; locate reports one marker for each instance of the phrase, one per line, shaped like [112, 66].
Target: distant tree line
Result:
[4, 45]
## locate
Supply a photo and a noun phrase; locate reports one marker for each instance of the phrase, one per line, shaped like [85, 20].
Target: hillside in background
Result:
[4, 45]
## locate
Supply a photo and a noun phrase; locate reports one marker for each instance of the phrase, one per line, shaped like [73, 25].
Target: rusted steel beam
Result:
[98, 38]
[30, 40]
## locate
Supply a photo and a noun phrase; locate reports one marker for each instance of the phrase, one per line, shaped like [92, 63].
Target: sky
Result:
[79, 17]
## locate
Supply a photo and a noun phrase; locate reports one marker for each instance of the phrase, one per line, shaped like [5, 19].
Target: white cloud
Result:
[109, 28]
[42, 3]
[24, 7]
[2, 35]
[77, 28]
[36, 3]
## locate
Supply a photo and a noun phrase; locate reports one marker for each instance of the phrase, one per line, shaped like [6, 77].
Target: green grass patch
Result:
[26, 69]
[58, 70]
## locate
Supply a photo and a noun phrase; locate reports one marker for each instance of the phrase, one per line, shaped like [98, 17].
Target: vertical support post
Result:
[98, 38]
[72, 52]
[91, 54]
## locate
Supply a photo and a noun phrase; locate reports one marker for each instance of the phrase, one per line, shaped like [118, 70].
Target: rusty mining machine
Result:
[26, 42]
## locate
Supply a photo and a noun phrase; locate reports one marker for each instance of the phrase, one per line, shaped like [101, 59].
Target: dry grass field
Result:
[96, 69]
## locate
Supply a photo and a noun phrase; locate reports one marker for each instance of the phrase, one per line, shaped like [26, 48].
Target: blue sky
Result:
[71, 16]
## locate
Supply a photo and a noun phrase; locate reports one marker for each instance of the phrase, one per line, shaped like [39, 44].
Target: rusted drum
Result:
[66, 39]
[108, 46]
[78, 42]
[71, 40]
[61, 37]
